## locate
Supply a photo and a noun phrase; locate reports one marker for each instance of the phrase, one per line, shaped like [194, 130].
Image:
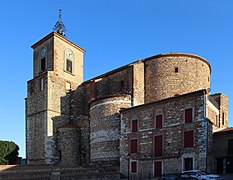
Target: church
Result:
[151, 117]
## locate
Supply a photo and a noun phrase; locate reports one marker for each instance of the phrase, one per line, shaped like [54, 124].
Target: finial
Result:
[59, 26]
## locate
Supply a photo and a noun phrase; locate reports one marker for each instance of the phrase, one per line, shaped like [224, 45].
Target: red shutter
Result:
[188, 115]
[158, 146]
[188, 139]
[134, 167]
[159, 121]
[158, 169]
[134, 145]
[134, 125]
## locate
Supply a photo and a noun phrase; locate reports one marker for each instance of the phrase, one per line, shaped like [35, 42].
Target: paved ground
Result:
[227, 177]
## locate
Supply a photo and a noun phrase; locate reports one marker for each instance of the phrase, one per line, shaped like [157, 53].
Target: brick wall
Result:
[173, 74]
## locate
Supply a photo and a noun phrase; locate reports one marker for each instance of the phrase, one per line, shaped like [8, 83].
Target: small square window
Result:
[188, 164]
[68, 86]
[176, 70]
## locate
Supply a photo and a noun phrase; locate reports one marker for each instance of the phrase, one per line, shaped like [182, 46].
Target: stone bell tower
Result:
[57, 69]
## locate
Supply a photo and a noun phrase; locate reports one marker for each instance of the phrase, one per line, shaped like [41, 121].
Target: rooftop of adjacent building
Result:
[225, 131]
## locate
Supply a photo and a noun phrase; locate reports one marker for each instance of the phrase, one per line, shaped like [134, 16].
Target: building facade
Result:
[223, 148]
[138, 118]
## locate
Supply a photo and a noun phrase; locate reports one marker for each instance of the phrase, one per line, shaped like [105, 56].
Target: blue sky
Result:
[114, 33]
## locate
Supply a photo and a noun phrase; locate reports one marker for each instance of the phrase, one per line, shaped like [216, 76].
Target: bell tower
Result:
[57, 69]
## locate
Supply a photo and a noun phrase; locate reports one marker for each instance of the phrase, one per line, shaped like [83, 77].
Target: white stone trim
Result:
[110, 102]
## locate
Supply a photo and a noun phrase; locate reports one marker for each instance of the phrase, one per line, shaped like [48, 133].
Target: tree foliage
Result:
[8, 152]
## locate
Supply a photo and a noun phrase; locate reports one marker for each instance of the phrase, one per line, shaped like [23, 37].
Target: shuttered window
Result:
[134, 167]
[158, 169]
[134, 125]
[188, 115]
[188, 139]
[134, 146]
[158, 146]
[159, 121]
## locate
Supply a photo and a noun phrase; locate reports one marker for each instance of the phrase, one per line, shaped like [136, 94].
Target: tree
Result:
[8, 152]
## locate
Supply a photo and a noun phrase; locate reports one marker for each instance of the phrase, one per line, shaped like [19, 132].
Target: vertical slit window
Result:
[223, 118]
[42, 84]
[42, 65]
[43, 54]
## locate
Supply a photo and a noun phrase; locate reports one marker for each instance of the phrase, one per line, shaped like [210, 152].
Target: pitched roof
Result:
[225, 130]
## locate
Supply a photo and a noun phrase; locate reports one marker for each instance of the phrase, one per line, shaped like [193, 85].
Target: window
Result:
[158, 146]
[176, 69]
[69, 61]
[188, 164]
[43, 54]
[134, 146]
[159, 121]
[216, 120]
[230, 146]
[68, 86]
[188, 116]
[134, 167]
[188, 139]
[69, 65]
[41, 84]
[122, 86]
[42, 64]
[223, 118]
[134, 126]
[157, 168]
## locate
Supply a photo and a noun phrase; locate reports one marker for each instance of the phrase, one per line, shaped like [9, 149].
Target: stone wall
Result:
[36, 115]
[105, 129]
[69, 145]
[172, 132]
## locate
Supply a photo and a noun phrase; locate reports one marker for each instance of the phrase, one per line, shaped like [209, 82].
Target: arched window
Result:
[43, 54]
[69, 61]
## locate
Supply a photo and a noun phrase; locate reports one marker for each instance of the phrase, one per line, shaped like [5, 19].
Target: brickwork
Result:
[69, 144]
[75, 123]
[162, 80]
[105, 128]
[51, 98]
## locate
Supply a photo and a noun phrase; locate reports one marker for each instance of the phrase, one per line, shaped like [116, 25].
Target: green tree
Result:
[8, 152]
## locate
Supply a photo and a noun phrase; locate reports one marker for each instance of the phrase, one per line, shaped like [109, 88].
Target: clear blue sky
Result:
[114, 33]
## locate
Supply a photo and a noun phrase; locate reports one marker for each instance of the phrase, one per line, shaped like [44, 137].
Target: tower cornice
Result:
[52, 34]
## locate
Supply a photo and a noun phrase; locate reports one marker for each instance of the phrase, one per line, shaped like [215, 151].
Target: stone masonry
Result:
[150, 117]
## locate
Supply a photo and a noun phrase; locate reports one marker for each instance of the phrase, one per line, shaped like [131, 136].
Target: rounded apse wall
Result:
[105, 129]
[173, 74]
